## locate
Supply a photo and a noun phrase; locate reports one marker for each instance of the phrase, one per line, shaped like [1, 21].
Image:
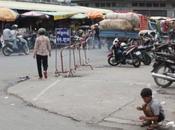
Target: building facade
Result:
[146, 7]
[47, 1]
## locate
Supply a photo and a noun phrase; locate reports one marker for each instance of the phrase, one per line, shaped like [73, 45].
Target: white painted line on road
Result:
[45, 90]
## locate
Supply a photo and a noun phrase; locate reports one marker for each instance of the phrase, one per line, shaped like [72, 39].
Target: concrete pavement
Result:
[105, 96]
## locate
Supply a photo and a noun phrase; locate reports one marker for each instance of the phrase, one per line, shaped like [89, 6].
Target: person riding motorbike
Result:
[14, 35]
[121, 53]
[17, 38]
[118, 48]
[7, 35]
[13, 43]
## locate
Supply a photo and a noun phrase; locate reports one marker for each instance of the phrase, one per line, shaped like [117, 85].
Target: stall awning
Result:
[59, 15]
[48, 7]
[79, 16]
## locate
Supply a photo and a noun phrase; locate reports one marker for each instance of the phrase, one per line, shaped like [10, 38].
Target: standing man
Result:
[97, 37]
[42, 49]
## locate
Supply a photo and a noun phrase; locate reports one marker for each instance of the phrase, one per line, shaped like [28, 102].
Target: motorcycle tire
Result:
[112, 61]
[30, 45]
[136, 62]
[26, 50]
[52, 44]
[157, 80]
[146, 59]
[6, 51]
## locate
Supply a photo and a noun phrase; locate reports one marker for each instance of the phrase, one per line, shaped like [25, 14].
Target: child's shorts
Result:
[161, 117]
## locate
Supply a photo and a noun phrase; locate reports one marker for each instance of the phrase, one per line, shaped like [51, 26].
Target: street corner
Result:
[88, 99]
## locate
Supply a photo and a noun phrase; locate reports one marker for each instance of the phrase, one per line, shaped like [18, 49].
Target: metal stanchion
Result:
[74, 58]
[85, 58]
[81, 46]
[70, 71]
[56, 62]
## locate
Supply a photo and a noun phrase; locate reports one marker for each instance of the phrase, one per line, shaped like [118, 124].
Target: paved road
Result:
[105, 96]
[19, 115]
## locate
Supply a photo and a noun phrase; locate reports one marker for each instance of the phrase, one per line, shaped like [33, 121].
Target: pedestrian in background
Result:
[152, 109]
[42, 49]
[14, 32]
[96, 36]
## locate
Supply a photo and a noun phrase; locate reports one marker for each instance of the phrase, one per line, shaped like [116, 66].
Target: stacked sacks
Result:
[121, 21]
[171, 23]
[112, 24]
[164, 26]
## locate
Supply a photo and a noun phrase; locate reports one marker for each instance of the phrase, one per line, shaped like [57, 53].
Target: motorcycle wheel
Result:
[146, 59]
[112, 61]
[26, 49]
[30, 45]
[6, 51]
[162, 82]
[136, 62]
[52, 44]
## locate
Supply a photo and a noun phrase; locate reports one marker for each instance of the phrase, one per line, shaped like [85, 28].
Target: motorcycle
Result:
[129, 56]
[32, 37]
[145, 57]
[164, 69]
[30, 40]
[22, 47]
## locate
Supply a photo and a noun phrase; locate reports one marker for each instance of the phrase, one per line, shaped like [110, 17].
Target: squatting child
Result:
[152, 109]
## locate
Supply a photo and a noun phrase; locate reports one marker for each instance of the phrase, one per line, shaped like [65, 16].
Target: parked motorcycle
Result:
[164, 69]
[145, 57]
[129, 56]
[22, 47]
[30, 40]
[53, 41]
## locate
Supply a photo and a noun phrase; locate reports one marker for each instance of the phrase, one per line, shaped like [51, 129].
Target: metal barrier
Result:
[74, 50]
[84, 48]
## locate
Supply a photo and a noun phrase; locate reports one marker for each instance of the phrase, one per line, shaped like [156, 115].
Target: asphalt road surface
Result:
[19, 115]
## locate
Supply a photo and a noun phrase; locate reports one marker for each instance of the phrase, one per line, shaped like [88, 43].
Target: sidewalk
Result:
[102, 96]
